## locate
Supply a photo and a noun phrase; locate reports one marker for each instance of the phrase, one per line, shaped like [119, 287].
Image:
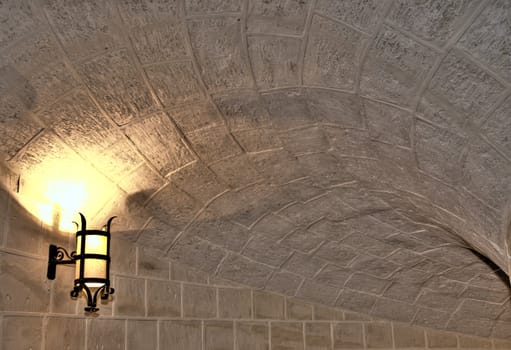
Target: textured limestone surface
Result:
[352, 154]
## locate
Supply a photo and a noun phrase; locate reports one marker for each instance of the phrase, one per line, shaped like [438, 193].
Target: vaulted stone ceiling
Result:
[352, 153]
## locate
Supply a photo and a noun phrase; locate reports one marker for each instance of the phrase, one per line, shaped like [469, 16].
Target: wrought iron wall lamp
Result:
[92, 260]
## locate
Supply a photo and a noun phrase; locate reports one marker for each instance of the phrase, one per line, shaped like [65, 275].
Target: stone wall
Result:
[160, 304]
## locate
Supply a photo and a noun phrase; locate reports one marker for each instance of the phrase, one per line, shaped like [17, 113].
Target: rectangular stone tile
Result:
[277, 17]
[393, 310]
[317, 336]
[317, 292]
[244, 271]
[197, 253]
[180, 335]
[438, 339]
[468, 342]
[148, 41]
[64, 332]
[159, 141]
[287, 335]
[274, 60]
[151, 264]
[304, 140]
[23, 230]
[257, 140]
[199, 301]
[348, 335]
[212, 144]
[84, 39]
[378, 335]
[395, 58]
[236, 172]
[116, 84]
[266, 250]
[243, 110]
[123, 254]
[268, 305]
[218, 335]
[105, 334]
[252, 336]
[336, 253]
[324, 313]
[179, 272]
[343, 45]
[277, 166]
[61, 302]
[24, 284]
[199, 7]
[129, 296]
[366, 283]
[334, 275]
[142, 334]
[354, 300]
[304, 265]
[304, 240]
[163, 298]
[408, 337]
[362, 14]
[284, 282]
[296, 310]
[234, 303]
[20, 332]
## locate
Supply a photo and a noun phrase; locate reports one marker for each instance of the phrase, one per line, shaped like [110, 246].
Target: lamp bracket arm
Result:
[58, 256]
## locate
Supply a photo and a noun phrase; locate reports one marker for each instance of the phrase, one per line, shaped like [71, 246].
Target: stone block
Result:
[431, 318]
[200, 182]
[123, 256]
[332, 52]
[333, 275]
[266, 251]
[296, 310]
[336, 253]
[106, 334]
[284, 282]
[197, 253]
[244, 271]
[157, 43]
[252, 336]
[374, 266]
[305, 140]
[218, 335]
[393, 310]
[24, 284]
[221, 232]
[212, 144]
[273, 226]
[324, 313]
[378, 335]
[199, 7]
[234, 303]
[157, 235]
[287, 335]
[437, 339]
[199, 301]
[394, 67]
[348, 335]
[20, 21]
[486, 39]
[142, 334]
[277, 17]
[180, 335]
[304, 265]
[317, 293]
[94, 36]
[159, 141]
[243, 110]
[64, 332]
[257, 140]
[236, 171]
[23, 230]
[353, 300]
[407, 292]
[152, 264]
[465, 86]
[388, 124]
[436, 300]
[61, 302]
[129, 297]
[163, 298]
[268, 306]
[274, 60]
[21, 332]
[468, 342]
[116, 84]
[317, 336]
[288, 108]
[196, 116]
[364, 15]
[179, 272]
[304, 240]
[435, 21]
[497, 127]
[408, 337]
[366, 283]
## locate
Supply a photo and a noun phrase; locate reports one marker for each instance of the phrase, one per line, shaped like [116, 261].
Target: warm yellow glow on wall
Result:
[56, 192]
